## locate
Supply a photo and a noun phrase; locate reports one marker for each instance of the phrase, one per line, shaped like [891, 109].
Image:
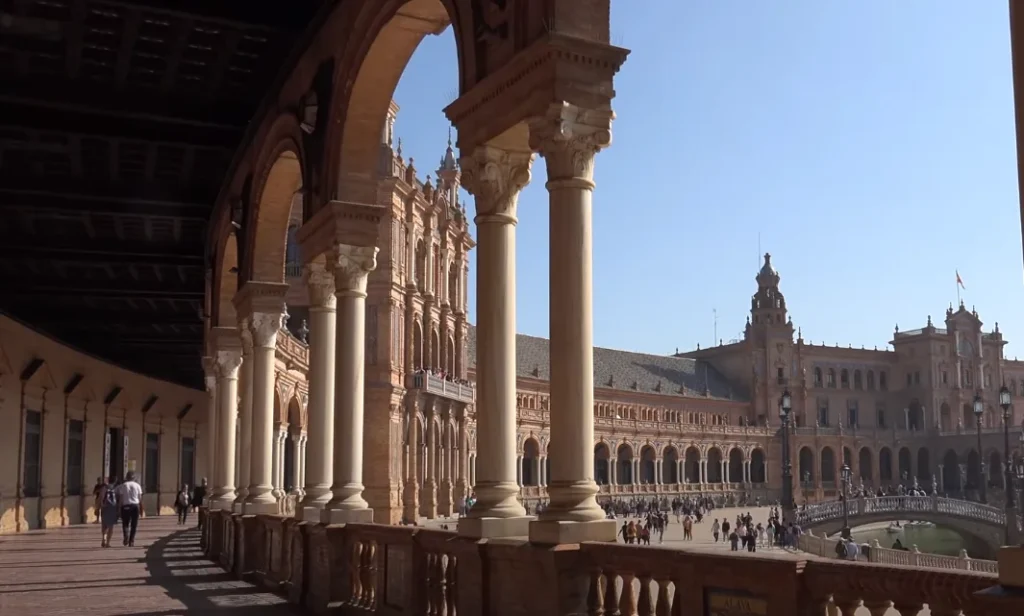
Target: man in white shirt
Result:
[129, 498]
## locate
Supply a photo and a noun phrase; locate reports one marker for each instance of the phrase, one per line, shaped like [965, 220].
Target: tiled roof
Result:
[661, 374]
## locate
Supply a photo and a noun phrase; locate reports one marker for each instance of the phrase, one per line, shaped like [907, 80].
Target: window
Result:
[917, 378]
[852, 414]
[945, 378]
[780, 376]
[831, 377]
[967, 377]
[882, 382]
[858, 382]
[152, 468]
[880, 413]
[293, 263]
[988, 379]
[188, 461]
[817, 377]
[844, 378]
[33, 442]
[871, 380]
[823, 413]
[76, 452]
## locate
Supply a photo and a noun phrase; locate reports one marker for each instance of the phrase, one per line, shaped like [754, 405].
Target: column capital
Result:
[351, 266]
[495, 176]
[264, 327]
[228, 361]
[568, 138]
[210, 370]
[320, 283]
[245, 333]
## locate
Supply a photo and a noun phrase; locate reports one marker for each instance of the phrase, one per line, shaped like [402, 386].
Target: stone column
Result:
[351, 266]
[228, 361]
[210, 369]
[277, 460]
[495, 177]
[301, 469]
[462, 463]
[445, 501]
[569, 138]
[319, 474]
[410, 496]
[297, 463]
[261, 498]
[244, 415]
[428, 493]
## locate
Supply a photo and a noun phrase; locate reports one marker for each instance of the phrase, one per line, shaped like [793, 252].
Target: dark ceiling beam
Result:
[154, 198]
[71, 319]
[126, 289]
[141, 253]
[63, 118]
[266, 16]
[172, 107]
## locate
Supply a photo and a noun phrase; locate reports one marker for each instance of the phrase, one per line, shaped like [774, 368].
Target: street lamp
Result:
[979, 409]
[1005, 400]
[846, 476]
[785, 408]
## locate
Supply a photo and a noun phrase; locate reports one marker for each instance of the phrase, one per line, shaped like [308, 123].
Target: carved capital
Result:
[245, 333]
[569, 138]
[210, 370]
[320, 283]
[351, 265]
[495, 177]
[228, 363]
[264, 326]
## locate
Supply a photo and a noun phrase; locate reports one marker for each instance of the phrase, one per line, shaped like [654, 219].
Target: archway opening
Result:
[624, 472]
[866, 467]
[531, 462]
[647, 458]
[714, 466]
[602, 464]
[973, 470]
[885, 465]
[904, 465]
[670, 466]
[828, 467]
[758, 469]
[951, 480]
[995, 470]
[692, 465]
[925, 475]
[807, 474]
[735, 465]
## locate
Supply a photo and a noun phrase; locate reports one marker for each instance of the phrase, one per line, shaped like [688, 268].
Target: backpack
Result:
[109, 497]
[840, 549]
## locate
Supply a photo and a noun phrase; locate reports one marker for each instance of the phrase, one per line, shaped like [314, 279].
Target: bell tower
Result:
[768, 318]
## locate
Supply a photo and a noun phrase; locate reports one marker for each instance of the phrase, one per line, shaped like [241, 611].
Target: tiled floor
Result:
[66, 572]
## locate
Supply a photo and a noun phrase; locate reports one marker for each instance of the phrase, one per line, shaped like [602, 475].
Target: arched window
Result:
[831, 377]
[857, 381]
[844, 378]
[293, 263]
[817, 377]
[871, 380]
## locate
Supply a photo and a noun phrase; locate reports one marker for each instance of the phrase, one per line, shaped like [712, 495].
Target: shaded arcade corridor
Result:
[64, 571]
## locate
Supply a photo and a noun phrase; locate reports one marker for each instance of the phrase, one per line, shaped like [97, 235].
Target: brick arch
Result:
[225, 282]
[277, 177]
[296, 422]
[377, 48]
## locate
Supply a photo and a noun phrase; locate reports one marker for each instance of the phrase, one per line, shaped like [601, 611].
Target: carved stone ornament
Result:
[495, 177]
[245, 333]
[228, 363]
[210, 369]
[264, 327]
[351, 265]
[320, 283]
[568, 138]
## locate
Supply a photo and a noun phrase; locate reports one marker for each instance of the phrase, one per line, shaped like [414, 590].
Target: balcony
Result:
[438, 386]
[391, 570]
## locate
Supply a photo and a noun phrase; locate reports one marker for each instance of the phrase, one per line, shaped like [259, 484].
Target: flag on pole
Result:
[959, 281]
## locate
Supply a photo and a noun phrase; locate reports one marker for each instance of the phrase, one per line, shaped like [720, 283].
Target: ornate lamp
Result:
[979, 410]
[1006, 401]
[785, 408]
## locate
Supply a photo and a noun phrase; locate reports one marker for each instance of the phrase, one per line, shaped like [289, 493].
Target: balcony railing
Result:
[293, 270]
[363, 569]
[912, 557]
[433, 384]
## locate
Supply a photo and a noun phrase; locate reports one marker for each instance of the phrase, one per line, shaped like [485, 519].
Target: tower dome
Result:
[768, 277]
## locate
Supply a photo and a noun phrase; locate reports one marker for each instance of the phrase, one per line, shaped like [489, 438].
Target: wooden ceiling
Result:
[118, 120]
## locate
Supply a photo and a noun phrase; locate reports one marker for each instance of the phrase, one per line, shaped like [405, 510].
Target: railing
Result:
[901, 505]
[292, 350]
[875, 553]
[293, 270]
[362, 569]
[433, 384]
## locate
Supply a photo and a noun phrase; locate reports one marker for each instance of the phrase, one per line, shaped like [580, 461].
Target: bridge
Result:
[983, 522]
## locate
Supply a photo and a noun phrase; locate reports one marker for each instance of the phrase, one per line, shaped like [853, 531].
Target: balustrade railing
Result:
[912, 557]
[363, 569]
[901, 505]
[433, 384]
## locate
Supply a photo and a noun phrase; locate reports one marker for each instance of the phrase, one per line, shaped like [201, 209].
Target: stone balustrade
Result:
[374, 569]
[875, 553]
[433, 384]
[902, 506]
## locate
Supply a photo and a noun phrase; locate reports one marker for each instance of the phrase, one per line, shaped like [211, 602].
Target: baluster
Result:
[595, 600]
[451, 577]
[429, 584]
[611, 599]
[846, 607]
[907, 607]
[439, 586]
[356, 564]
[662, 608]
[627, 600]
[369, 575]
[646, 605]
[878, 607]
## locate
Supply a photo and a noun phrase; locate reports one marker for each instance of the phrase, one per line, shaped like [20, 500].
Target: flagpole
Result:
[958, 292]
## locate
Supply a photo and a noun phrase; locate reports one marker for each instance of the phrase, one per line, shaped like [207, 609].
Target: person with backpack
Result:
[108, 510]
[182, 503]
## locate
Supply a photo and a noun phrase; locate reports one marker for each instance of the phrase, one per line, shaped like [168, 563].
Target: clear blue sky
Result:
[869, 144]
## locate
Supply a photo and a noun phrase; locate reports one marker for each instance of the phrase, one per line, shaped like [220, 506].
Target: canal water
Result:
[928, 539]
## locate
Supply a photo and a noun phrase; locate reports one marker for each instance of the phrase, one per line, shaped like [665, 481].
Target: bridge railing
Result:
[899, 505]
[912, 557]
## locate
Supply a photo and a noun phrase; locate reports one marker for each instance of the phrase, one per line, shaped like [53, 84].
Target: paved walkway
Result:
[65, 572]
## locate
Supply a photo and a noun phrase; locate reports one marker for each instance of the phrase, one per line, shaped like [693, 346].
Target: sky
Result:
[868, 146]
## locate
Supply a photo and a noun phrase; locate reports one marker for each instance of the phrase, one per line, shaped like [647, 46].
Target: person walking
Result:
[129, 496]
[198, 499]
[107, 510]
[182, 503]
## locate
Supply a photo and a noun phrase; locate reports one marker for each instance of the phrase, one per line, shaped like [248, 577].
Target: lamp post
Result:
[846, 475]
[1005, 400]
[788, 507]
[979, 410]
